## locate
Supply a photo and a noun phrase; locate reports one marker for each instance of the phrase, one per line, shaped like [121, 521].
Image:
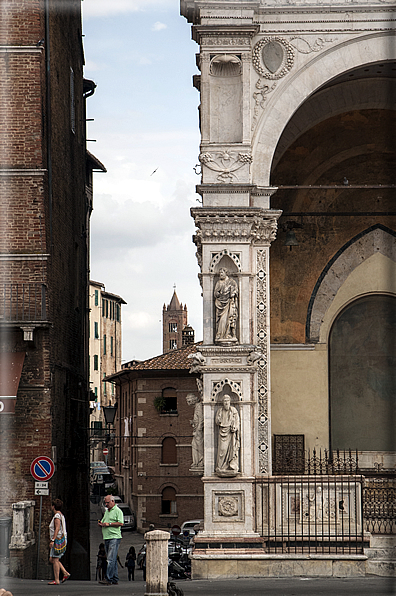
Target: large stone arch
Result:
[374, 250]
[298, 87]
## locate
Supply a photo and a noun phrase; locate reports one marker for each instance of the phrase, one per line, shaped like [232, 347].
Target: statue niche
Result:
[226, 304]
[228, 443]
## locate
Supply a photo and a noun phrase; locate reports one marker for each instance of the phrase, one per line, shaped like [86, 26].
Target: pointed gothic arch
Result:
[377, 239]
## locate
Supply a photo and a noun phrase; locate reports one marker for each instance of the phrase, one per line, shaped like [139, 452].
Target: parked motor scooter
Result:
[177, 568]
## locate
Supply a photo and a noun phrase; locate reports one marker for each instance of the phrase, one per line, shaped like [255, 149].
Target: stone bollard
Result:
[156, 563]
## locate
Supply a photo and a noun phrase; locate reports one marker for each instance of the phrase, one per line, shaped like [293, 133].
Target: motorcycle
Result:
[179, 565]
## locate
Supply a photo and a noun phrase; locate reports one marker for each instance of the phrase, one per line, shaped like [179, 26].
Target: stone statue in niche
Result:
[227, 421]
[197, 444]
[226, 302]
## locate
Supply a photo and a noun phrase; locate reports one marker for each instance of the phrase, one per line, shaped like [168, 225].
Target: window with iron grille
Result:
[288, 454]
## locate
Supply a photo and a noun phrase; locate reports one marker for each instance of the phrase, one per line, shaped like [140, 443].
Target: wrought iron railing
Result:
[24, 302]
[379, 507]
[311, 514]
[288, 460]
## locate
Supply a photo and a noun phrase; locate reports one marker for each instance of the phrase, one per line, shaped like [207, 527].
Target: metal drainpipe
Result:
[48, 114]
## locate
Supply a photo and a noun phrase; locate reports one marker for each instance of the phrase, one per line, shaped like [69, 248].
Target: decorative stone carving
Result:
[254, 356]
[197, 444]
[235, 257]
[221, 40]
[226, 303]
[237, 226]
[262, 372]
[226, 163]
[197, 360]
[227, 421]
[228, 506]
[273, 57]
[225, 65]
[234, 386]
[260, 97]
[305, 47]
[264, 230]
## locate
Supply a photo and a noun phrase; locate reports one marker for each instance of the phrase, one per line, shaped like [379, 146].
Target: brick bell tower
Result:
[175, 330]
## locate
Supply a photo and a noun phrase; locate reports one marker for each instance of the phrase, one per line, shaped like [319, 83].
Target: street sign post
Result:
[41, 491]
[105, 451]
[42, 469]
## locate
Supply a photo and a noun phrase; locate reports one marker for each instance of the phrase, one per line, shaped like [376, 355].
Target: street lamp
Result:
[109, 414]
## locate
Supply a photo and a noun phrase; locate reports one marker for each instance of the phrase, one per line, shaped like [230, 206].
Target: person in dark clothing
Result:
[130, 563]
[101, 565]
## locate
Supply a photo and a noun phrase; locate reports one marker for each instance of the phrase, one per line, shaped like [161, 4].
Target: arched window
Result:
[363, 375]
[168, 500]
[168, 452]
[170, 405]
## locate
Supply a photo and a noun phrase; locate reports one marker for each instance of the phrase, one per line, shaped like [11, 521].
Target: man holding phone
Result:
[111, 523]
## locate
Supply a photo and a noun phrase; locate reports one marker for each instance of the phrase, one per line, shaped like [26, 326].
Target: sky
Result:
[145, 127]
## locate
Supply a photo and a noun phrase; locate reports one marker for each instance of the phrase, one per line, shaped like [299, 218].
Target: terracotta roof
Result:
[173, 360]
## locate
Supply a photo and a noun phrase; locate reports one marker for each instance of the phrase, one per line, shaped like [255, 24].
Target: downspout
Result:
[48, 114]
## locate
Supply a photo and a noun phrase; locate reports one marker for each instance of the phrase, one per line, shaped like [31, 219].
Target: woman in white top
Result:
[57, 529]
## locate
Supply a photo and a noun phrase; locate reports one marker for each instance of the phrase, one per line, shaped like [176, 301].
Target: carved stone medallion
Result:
[273, 57]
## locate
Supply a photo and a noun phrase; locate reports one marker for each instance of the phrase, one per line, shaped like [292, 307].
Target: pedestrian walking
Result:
[111, 523]
[58, 542]
[130, 563]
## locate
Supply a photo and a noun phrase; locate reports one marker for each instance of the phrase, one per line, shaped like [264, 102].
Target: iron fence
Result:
[24, 302]
[379, 508]
[311, 514]
[291, 458]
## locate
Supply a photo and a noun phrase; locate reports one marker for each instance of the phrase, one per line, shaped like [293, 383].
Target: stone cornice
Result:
[236, 225]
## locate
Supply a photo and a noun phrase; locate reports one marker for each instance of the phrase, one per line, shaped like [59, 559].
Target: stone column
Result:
[156, 563]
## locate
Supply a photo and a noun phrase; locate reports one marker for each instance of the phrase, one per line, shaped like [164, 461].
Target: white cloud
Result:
[158, 26]
[104, 8]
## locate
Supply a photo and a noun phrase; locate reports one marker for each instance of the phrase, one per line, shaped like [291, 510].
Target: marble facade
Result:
[259, 61]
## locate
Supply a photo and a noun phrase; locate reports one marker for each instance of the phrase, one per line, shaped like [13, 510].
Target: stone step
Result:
[383, 568]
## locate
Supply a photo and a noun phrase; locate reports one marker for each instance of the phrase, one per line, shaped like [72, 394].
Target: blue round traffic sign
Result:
[42, 468]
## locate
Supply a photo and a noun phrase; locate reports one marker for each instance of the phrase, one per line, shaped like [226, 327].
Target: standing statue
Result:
[226, 302]
[198, 424]
[227, 419]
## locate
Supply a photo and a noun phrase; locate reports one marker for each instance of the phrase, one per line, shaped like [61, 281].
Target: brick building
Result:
[45, 202]
[153, 439]
[105, 345]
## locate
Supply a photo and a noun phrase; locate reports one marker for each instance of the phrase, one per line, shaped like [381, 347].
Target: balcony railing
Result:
[24, 302]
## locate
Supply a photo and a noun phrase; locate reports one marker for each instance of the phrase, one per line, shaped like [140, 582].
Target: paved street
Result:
[373, 586]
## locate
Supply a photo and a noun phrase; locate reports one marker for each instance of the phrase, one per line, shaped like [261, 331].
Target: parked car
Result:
[117, 501]
[97, 464]
[129, 517]
[101, 482]
[189, 526]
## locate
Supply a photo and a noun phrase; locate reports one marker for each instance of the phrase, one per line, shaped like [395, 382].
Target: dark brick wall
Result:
[51, 414]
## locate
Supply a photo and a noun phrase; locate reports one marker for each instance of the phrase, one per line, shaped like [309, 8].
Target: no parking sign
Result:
[42, 468]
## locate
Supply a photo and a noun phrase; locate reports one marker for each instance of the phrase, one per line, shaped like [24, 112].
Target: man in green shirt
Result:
[111, 524]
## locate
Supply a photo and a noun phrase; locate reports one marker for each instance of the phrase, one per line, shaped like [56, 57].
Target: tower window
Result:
[96, 362]
[173, 344]
[96, 327]
[173, 327]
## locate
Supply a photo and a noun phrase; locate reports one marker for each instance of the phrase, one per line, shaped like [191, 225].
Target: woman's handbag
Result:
[60, 545]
